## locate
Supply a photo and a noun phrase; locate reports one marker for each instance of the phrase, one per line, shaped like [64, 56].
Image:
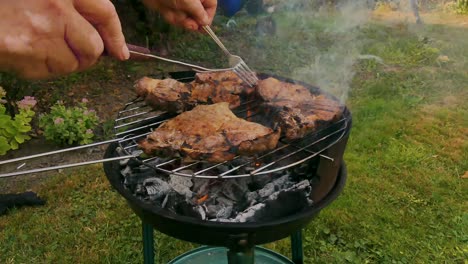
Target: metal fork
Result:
[137, 52]
[237, 64]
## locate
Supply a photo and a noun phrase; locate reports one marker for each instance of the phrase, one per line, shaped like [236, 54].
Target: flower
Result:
[84, 100]
[2, 92]
[28, 102]
[89, 131]
[58, 120]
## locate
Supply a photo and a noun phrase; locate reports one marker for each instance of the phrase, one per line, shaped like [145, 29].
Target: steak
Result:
[296, 110]
[207, 88]
[212, 133]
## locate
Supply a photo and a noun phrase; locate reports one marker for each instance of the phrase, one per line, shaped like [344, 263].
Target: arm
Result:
[45, 38]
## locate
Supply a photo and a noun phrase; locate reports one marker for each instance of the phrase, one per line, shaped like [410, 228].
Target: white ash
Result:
[156, 188]
[181, 185]
[244, 199]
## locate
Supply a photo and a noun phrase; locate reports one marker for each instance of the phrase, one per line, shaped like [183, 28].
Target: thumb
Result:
[103, 16]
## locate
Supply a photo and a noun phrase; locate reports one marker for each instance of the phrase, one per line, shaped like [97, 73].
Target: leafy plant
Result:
[14, 130]
[462, 6]
[69, 126]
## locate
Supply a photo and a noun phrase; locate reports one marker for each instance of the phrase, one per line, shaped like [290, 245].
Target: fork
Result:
[138, 52]
[239, 67]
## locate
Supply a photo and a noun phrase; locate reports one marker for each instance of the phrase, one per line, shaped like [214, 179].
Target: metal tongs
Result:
[142, 52]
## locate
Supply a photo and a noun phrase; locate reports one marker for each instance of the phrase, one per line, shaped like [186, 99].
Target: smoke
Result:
[332, 68]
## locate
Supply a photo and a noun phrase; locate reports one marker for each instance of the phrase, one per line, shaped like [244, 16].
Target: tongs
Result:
[142, 52]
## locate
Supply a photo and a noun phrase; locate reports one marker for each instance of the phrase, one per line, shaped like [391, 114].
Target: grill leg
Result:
[148, 244]
[296, 248]
[246, 256]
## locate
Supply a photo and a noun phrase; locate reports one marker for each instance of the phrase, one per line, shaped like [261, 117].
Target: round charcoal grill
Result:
[318, 155]
[323, 148]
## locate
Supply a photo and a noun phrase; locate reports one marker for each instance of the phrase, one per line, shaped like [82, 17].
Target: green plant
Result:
[14, 130]
[462, 6]
[69, 126]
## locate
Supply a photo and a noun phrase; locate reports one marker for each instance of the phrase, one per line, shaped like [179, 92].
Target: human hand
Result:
[45, 38]
[190, 14]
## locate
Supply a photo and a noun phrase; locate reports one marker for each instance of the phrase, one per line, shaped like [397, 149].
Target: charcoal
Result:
[201, 186]
[249, 214]
[187, 209]
[258, 181]
[123, 162]
[225, 201]
[181, 185]
[218, 211]
[235, 189]
[273, 186]
[156, 188]
[252, 198]
[172, 200]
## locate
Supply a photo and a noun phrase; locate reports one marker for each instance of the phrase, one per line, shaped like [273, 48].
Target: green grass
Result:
[404, 202]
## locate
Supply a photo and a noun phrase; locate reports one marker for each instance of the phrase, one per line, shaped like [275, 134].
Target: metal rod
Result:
[192, 66]
[59, 151]
[64, 166]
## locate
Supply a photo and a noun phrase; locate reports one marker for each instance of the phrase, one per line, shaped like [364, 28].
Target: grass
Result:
[405, 199]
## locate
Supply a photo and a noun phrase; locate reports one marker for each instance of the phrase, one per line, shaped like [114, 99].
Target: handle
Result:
[142, 53]
[216, 39]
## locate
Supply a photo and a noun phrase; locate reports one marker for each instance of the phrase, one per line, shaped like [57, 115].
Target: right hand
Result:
[190, 14]
[45, 38]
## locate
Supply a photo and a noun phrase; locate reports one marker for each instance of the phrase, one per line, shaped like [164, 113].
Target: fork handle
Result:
[142, 53]
[216, 39]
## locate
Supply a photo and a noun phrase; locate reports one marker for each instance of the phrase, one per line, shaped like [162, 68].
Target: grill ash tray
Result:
[257, 199]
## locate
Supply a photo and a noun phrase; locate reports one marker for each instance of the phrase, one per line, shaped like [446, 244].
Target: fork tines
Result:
[245, 73]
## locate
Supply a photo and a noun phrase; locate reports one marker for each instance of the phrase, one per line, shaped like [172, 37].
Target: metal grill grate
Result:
[137, 120]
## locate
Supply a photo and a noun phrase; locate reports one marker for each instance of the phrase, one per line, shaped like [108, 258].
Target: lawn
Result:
[406, 196]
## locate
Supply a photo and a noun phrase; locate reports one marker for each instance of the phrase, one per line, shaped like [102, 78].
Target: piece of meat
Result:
[212, 133]
[207, 88]
[295, 108]
[167, 94]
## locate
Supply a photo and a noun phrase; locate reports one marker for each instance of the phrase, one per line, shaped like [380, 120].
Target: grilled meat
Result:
[212, 133]
[295, 108]
[208, 88]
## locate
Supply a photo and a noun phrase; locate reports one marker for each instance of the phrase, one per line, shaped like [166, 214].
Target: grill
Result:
[319, 154]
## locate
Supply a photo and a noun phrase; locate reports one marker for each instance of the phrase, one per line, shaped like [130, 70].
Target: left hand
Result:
[190, 14]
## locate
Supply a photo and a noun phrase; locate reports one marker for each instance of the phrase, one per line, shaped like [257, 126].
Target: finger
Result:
[84, 41]
[175, 17]
[195, 9]
[102, 15]
[190, 24]
[61, 59]
[210, 8]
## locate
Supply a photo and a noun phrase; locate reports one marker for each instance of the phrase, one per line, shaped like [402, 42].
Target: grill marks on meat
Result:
[207, 88]
[212, 133]
[295, 108]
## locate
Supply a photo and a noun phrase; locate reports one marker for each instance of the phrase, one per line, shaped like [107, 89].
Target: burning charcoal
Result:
[156, 188]
[181, 185]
